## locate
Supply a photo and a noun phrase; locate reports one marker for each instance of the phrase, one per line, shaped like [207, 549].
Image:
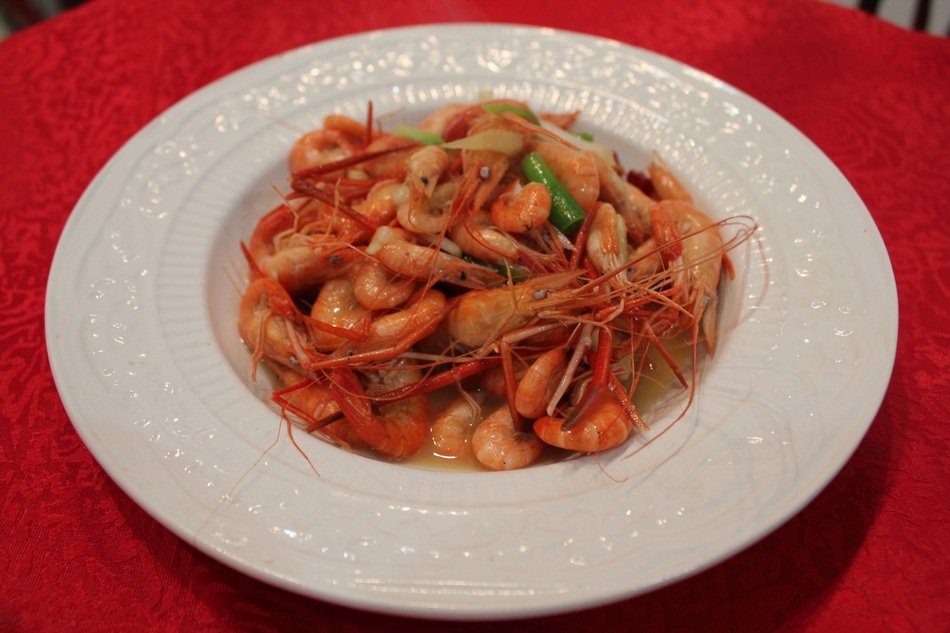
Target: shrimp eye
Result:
[484, 172]
[425, 180]
[336, 260]
[540, 294]
[462, 275]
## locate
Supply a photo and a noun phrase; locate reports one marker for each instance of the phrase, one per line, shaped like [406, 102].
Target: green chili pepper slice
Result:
[566, 213]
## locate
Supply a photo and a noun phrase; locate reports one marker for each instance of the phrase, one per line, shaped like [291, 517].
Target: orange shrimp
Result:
[393, 249]
[576, 169]
[320, 147]
[615, 190]
[303, 263]
[693, 246]
[640, 202]
[462, 122]
[375, 224]
[270, 324]
[482, 316]
[600, 425]
[452, 429]
[493, 382]
[498, 445]
[336, 304]
[381, 202]
[645, 261]
[484, 169]
[667, 186]
[606, 245]
[518, 210]
[296, 259]
[437, 122]
[537, 386]
[478, 238]
[397, 429]
[391, 164]
[405, 327]
[305, 397]
[375, 288]
[345, 125]
[423, 170]
[388, 335]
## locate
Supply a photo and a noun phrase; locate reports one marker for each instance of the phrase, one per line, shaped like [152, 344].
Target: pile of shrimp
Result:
[426, 261]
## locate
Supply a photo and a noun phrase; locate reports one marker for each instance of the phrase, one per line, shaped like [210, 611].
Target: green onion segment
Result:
[566, 213]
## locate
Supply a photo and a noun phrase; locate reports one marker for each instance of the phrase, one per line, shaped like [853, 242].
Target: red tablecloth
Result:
[870, 553]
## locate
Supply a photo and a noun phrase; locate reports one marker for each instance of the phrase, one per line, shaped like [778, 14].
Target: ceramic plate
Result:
[142, 339]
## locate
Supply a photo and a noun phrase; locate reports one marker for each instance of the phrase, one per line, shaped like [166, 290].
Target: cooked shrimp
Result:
[340, 432]
[405, 327]
[493, 382]
[345, 125]
[336, 304]
[537, 386]
[378, 289]
[696, 260]
[438, 121]
[614, 190]
[645, 261]
[452, 428]
[391, 164]
[601, 425]
[577, 170]
[387, 336]
[640, 202]
[478, 238]
[481, 316]
[606, 245]
[393, 249]
[667, 186]
[416, 213]
[305, 397]
[270, 324]
[381, 202]
[296, 259]
[303, 262]
[319, 148]
[484, 169]
[499, 446]
[397, 429]
[518, 210]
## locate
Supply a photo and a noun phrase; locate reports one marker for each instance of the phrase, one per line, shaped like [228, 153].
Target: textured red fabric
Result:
[869, 553]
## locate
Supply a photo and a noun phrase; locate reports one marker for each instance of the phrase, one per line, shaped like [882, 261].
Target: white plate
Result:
[140, 328]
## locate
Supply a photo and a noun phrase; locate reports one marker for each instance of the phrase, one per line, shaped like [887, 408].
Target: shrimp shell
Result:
[537, 386]
[452, 429]
[603, 424]
[522, 210]
[499, 446]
